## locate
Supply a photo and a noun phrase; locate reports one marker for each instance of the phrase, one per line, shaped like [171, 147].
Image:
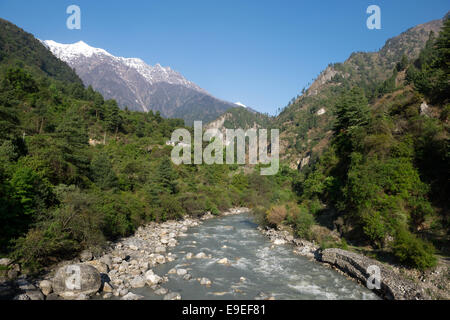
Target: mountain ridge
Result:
[306, 123]
[137, 85]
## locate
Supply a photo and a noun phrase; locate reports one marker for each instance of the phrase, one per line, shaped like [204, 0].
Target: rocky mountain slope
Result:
[306, 123]
[141, 87]
[241, 118]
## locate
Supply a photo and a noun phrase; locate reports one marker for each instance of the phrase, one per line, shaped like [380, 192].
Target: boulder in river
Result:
[161, 291]
[172, 271]
[187, 277]
[279, 241]
[181, 272]
[152, 278]
[201, 255]
[132, 296]
[172, 296]
[205, 282]
[73, 280]
[223, 261]
[160, 259]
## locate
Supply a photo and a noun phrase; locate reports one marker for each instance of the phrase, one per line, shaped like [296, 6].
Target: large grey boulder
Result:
[392, 285]
[152, 279]
[76, 279]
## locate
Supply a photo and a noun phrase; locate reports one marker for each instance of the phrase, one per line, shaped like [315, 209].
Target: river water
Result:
[269, 270]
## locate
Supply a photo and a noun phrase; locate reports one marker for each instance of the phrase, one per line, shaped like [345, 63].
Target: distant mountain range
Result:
[139, 86]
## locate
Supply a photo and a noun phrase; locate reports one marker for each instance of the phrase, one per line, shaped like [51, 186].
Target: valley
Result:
[87, 179]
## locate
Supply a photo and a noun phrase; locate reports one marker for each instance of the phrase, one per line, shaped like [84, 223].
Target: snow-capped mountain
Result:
[240, 104]
[137, 85]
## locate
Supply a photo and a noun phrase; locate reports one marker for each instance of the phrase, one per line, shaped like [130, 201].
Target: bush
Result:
[170, 208]
[413, 251]
[302, 221]
[75, 224]
[331, 243]
[193, 204]
[374, 227]
[276, 215]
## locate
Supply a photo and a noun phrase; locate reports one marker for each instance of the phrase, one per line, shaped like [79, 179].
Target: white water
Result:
[269, 271]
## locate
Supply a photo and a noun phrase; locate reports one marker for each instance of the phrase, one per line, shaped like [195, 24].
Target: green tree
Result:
[167, 176]
[102, 172]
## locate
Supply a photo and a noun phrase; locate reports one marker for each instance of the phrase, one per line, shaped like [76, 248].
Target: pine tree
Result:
[102, 172]
[167, 176]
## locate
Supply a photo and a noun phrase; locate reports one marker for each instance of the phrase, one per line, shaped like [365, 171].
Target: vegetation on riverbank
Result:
[383, 179]
[76, 170]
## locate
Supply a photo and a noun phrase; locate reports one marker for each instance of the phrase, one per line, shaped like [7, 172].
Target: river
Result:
[257, 268]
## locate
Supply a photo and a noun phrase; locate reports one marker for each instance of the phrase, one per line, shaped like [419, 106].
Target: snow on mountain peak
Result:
[69, 53]
[240, 104]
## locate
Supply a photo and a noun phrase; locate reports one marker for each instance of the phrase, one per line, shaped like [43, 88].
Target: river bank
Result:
[125, 265]
[126, 270]
[397, 283]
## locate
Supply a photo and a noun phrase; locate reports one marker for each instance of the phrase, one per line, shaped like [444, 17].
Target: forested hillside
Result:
[381, 182]
[306, 123]
[242, 118]
[76, 170]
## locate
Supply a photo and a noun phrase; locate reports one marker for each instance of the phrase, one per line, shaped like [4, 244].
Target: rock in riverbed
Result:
[152, 279]
[223, 261]
[132, 296]
[72, 280]
[181, 272]
[138, 282]
[205, 282]
[172, 296]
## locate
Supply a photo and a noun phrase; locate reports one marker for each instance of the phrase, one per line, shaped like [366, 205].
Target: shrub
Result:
[170, 208]
[276, 215]
[413, 251]
[303, 221]
[193, 204]
[74, 225]
[374, 227]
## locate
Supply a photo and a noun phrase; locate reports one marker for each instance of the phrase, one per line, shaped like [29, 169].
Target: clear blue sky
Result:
[261, 53]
